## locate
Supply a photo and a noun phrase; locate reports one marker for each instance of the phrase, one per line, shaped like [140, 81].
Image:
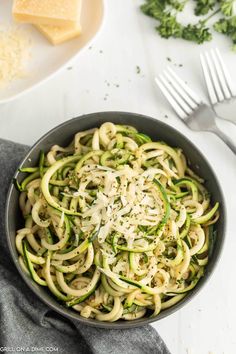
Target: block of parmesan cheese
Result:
[47, 12]
[57, 35]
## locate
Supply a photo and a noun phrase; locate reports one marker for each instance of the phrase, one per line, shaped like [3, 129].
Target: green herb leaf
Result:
[221, 26]
[204, 6]
[154, 8]
[227, 26]
[227, 7]
[197, 33]
[177, 5]
[169, 27]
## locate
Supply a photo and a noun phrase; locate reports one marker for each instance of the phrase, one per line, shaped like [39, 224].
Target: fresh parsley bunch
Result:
[166, 13]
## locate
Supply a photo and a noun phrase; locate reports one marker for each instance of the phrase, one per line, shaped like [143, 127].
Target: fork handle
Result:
[224, 137]
[228, 119]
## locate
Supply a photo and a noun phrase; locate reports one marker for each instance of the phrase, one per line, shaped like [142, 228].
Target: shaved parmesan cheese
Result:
[125, 199]
[103, 232]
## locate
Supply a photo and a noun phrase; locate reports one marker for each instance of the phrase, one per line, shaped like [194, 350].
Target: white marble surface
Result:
[104, 78]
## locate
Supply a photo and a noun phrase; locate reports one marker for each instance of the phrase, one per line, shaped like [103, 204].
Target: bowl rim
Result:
[73, 315]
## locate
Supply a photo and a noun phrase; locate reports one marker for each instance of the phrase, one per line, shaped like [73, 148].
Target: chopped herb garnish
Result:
[227, 7]
[227, 26]
[169, 27]
[197, 33]
[204, 6]
[166, 13]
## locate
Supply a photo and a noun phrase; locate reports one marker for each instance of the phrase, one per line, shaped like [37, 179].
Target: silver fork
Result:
[189, 107]
[220, 87]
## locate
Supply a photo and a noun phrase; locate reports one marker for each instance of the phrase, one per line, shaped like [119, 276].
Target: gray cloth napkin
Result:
[28, 325]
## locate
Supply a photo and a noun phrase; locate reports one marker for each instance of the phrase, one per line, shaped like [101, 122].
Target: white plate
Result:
[46, 60]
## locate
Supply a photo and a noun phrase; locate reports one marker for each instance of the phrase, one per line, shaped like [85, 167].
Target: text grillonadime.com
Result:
[29, 349]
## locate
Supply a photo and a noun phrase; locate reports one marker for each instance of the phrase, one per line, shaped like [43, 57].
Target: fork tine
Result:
[185, 107]
[180, 90]
[183, 84]
[207, 77]
[171, 100]
[226, 74]
[220, 74]
[214, 78]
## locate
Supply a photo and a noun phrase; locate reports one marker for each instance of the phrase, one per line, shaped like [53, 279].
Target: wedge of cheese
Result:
[57, 35]
[47, 12]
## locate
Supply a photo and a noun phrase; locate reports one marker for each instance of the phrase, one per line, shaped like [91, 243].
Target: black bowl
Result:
[157, 130]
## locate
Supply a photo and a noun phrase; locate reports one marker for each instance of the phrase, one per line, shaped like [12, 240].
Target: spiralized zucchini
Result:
[116, 226]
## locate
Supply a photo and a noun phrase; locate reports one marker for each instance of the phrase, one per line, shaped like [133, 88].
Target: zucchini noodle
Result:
[117, 226]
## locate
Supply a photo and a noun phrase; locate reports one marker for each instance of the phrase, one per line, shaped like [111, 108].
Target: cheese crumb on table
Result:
[14, 54]
[48, 12]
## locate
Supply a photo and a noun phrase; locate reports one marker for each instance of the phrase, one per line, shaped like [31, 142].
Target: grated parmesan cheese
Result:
[14, 54]
[119, 206]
